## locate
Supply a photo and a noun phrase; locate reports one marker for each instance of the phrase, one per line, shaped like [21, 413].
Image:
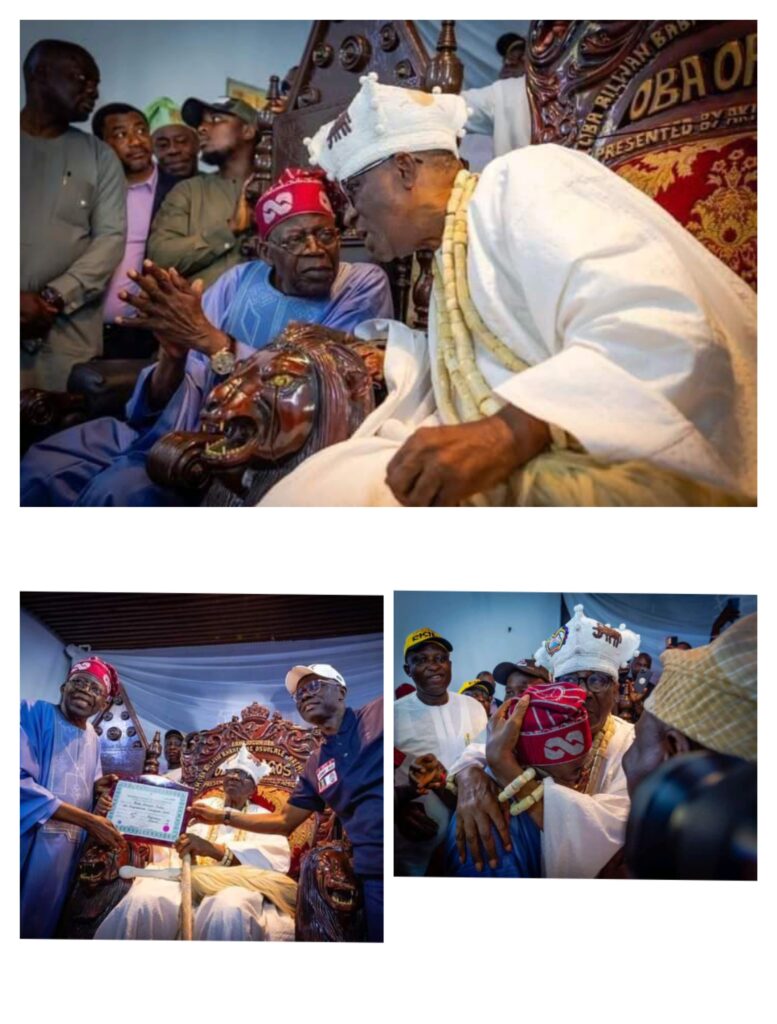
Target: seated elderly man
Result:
[585, 348]
[299, 277]
[150, 910]
[575, 817]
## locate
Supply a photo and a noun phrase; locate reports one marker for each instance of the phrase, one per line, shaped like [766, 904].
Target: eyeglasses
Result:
[350, 185]
[594, 682]
[87, 685]
[296, 242]
[311, 687]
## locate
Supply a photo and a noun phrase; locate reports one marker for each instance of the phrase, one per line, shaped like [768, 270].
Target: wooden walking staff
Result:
[186, 897]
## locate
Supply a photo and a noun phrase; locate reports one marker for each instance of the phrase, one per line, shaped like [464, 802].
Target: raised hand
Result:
[171, 307]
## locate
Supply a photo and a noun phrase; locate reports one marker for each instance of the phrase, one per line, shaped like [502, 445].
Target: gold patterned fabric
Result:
[710, 693]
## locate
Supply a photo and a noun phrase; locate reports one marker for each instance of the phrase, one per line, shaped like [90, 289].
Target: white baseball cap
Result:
[294, 675]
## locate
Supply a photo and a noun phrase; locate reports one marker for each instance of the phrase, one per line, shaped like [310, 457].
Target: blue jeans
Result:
[372, 893]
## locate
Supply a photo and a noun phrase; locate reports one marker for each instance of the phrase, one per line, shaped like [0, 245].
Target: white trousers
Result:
[150, 910]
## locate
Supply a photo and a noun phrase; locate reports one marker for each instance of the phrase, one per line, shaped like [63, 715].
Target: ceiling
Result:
[127, 621]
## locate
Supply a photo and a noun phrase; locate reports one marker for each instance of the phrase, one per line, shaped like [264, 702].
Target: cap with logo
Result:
[483, 683]
[294, 675]
[425, 636]
[193, 109]
[527, 666]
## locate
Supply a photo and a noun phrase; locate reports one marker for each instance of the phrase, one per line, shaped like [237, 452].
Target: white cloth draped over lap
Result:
[150, 909]
[580, 832]
[641, 343]
[354, 471]
[444, 730]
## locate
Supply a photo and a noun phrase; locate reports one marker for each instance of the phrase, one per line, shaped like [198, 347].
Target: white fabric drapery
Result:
[190, 688]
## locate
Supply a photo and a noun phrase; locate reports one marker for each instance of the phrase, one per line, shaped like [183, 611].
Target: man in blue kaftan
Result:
[60, 776]
[298, 278]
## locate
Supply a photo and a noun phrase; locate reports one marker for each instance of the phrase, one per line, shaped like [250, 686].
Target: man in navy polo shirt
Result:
[345, 774]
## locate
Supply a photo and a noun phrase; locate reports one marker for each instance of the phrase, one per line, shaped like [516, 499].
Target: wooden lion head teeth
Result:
[310, 388]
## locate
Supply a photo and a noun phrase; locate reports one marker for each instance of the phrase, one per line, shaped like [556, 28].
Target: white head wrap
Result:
[585, 645]
[242, 761]
[382, 120]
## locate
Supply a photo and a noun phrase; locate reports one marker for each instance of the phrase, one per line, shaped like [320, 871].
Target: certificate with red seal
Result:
[150, 808]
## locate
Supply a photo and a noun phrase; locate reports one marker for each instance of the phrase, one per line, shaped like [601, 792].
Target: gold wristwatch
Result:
[224, 361]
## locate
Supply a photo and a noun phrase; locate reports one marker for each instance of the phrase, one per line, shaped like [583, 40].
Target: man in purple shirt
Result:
[126, 131]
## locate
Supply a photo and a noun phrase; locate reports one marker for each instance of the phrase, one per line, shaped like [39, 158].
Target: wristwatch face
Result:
[223, 362]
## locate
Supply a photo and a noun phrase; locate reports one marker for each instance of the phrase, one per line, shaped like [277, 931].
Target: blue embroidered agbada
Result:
[59, 764]
[103, 462]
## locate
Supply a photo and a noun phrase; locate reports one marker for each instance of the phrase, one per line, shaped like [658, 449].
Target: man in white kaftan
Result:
[640, 344]
[151, 908]
[430, 721]
[581, 831]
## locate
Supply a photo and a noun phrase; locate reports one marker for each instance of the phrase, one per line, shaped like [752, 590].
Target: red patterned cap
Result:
[104, 673]
[297, 191]
[555, 727]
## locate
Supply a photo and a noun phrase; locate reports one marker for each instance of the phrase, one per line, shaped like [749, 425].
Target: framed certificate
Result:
[144, 810]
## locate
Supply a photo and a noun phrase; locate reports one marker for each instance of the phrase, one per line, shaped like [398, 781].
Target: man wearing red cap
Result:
[579, 807]
[299, 277]
[61, 777]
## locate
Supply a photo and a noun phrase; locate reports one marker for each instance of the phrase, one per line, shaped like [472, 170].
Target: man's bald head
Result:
[61, 79]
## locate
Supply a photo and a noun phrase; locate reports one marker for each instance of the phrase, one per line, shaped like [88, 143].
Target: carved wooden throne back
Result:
[670, 106]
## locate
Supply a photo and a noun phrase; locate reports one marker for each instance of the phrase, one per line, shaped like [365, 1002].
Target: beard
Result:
[213, 159]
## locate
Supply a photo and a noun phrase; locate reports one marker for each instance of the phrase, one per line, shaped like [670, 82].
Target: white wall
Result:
[483, 628]
[141, 60]
[42, 660]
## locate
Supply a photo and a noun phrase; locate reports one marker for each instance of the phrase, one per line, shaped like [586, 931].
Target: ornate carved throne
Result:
[668, 105]
[269, 737]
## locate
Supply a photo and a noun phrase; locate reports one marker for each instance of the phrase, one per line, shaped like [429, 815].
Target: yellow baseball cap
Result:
[470, 684]
[425, 636]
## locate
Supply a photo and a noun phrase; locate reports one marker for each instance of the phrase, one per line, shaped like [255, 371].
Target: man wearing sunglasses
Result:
[582, 816]
[61, 785]
[345, 774]
[298, 277]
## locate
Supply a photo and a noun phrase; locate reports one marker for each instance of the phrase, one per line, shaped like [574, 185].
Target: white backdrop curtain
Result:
[190, 688]
[689, 617]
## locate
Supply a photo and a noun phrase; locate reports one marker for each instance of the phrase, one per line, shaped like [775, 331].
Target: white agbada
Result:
[444, 730]
[150, 910]
[641, 343]
[580, 832]
[502, 111]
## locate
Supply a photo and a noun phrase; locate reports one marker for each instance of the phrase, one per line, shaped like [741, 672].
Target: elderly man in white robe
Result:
[151, 908]
[585, 348]
[432, 727]
[582, 817]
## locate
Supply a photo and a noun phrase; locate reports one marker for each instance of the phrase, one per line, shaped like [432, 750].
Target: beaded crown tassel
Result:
[566, 474]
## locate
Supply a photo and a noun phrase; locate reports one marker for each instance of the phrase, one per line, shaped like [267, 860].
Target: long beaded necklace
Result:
[461, 390]
[239, 834]
[590, 775]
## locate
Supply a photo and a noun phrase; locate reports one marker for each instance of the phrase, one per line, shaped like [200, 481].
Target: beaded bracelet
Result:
[227, 859]
[533, 798]
[518, 783]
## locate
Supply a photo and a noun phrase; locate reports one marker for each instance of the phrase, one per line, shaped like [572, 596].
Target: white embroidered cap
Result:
[382, 120]
[294, 675]
[242, 761]
[587, 645]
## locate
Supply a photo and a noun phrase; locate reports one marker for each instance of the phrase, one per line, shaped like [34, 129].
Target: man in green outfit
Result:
[200, 224]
